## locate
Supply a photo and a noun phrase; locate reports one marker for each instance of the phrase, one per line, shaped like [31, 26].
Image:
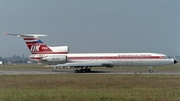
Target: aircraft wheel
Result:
[150, 71]
[76, 71]
[89, 70]
[81, 70]
[86, 70]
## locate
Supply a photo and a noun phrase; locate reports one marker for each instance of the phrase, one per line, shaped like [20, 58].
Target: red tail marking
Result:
[36, 45]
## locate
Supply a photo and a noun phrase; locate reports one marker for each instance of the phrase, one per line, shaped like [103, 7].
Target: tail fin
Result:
[36, 46]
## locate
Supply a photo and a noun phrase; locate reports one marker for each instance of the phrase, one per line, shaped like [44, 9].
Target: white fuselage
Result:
[117, 59]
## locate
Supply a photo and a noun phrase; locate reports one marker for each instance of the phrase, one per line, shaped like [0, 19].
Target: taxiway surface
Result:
[16, 72]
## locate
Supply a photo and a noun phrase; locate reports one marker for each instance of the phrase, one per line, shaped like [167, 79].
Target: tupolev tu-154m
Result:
[59, 56]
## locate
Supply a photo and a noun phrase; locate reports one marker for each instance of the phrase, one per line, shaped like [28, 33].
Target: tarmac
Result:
[70, 71]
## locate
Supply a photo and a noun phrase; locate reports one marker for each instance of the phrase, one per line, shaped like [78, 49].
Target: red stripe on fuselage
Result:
[116, 57]
[107, 58]
[49, 52]
[35, 58]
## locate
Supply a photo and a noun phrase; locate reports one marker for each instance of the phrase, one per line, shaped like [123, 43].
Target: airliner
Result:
[59, 57]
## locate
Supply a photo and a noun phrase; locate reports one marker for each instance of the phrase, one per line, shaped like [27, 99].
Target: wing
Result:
[83, 64]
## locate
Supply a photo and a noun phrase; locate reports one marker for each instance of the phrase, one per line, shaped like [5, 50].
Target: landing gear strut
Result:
[150, 71]
[83, 70]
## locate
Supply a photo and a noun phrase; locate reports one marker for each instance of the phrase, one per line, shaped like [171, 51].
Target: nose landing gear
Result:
[150, 71]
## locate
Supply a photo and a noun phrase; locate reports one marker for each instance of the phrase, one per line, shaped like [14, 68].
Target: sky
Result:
[93, 26]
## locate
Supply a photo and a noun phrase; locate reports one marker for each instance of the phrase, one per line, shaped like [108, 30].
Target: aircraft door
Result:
[119, 59]
[140, 61]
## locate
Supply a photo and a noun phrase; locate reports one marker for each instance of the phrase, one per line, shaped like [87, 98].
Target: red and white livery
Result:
[59, 56]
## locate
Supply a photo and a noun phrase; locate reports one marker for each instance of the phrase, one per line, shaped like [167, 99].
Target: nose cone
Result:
[175, 61]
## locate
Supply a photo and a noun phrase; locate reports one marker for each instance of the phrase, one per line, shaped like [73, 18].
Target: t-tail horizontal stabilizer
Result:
[36, 46]
[25, 35]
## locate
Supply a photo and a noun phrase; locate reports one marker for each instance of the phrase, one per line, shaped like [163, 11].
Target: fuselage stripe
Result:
[48, 52]
[106, 58]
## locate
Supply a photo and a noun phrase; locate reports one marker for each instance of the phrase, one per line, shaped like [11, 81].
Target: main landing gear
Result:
[150, 71]
[83, 70]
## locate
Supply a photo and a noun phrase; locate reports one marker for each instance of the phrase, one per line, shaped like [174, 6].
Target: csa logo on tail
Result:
[35, 48]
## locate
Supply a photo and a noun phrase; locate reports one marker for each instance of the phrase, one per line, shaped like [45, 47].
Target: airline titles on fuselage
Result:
[35, 48]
